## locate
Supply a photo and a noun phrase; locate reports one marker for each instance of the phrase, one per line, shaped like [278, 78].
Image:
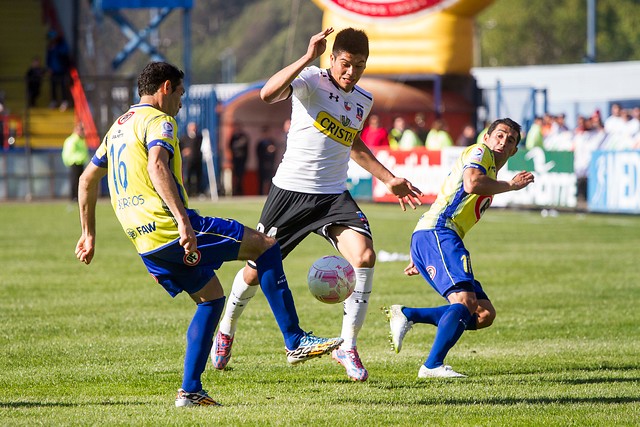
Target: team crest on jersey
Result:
[192, 259]
[431, 271]
[359, 112]
[482, 204]
[167, 130]
[348, 106]
[123, 118]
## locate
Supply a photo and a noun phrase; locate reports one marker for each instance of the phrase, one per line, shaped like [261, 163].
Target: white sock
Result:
[355, 307]
[240, 295]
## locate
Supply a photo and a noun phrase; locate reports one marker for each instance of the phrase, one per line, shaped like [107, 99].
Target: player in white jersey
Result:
[439, 255]
[309, 193]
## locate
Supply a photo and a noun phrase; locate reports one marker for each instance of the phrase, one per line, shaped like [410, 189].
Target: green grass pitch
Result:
[103, 344]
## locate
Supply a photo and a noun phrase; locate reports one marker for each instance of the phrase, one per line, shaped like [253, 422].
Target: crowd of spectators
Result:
[407, 136]
[619, 131]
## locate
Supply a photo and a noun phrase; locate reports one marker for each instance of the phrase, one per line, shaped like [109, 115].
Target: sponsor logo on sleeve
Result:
[476, 154]
[167, 130]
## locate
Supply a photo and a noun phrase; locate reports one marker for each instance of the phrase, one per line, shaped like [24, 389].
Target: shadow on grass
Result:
[510, 401]
[17, 405]
[596, 380]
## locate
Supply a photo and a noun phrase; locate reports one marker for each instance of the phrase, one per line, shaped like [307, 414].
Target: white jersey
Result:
[325, 121]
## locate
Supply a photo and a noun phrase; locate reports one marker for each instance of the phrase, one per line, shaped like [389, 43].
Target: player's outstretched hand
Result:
[411, 270]
[85, 249]
[521, 180]
[405, 192]
[318, 43]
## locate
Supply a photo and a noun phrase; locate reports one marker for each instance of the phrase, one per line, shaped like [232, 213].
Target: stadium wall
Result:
[613, 179]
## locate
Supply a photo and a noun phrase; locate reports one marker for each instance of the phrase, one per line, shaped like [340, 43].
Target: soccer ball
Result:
[331, 279]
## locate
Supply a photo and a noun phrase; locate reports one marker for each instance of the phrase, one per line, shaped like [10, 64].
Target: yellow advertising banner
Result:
[410, 36]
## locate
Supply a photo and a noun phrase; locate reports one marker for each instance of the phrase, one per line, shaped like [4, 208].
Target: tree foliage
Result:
[261, 36]
[521, 32]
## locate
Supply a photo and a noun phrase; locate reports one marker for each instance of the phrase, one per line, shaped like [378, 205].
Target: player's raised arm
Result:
[400, 187]
[277, 87]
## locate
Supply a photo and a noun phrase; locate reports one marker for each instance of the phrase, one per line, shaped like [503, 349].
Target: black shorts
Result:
[290, 216]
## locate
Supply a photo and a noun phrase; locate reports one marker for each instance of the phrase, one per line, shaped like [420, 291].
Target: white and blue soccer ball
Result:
[331, 279]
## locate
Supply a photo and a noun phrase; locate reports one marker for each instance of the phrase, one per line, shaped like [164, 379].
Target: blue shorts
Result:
[441, 258]
[218, 241]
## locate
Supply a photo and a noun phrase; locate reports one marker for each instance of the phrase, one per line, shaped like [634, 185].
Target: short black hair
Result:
[351, 41]
[508, 122]
[155, 74]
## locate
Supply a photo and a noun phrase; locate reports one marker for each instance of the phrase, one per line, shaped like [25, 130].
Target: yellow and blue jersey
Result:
[454, 208]
[125, 151]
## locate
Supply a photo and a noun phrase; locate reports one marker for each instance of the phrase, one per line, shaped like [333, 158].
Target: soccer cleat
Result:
[200, 398]
[221, 352]
[444, 371]
[399, 325]
[312, 346]
[350, 359]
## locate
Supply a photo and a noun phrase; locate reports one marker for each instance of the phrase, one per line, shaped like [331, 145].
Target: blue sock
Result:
[452, 324]
[276, 289]
[430, 315]
[199, 342]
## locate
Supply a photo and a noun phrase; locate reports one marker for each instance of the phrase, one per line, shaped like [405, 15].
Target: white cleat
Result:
[444, 371]
[399, 325]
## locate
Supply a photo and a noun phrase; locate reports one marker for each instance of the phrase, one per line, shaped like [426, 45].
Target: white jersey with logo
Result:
[325, 121]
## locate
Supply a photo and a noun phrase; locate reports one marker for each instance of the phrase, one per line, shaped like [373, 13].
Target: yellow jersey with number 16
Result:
[124, 151]
[454, 208]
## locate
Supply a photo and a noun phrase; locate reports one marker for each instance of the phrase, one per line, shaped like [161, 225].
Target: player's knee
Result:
[250, 275]
[261, 241]
[486, 318]
[471, 304]
[254, 244]
[269, 242]
[366, 259]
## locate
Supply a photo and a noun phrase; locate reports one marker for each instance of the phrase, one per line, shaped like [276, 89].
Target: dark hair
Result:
[155, 74]
[508, 122]
[351, 41]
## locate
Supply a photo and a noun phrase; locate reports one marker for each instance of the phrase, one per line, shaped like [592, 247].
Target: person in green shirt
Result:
[75, 155]
[534, 136]
[438, 137]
